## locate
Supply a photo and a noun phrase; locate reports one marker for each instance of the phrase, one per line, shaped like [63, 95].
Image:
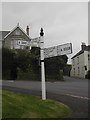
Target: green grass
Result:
[17, 105]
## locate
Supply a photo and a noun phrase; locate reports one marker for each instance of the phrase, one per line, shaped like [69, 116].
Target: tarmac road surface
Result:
[72, 91]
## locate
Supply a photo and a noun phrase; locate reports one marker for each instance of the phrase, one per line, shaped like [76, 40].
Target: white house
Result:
[81, 62]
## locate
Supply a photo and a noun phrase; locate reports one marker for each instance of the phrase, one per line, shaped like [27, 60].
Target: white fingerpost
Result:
[42, 64]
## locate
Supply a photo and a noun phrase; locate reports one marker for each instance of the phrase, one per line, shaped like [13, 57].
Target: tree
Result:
[26, 61]
[23, 59]
[7, 63]
[54, 65]
[67, 69]
[12, 60]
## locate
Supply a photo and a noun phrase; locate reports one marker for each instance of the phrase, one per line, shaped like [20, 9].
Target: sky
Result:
[63, 22]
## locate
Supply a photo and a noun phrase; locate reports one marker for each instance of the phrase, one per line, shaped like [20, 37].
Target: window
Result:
[73, 62]
[74, 71]
[77, 60]
[11, 44]
[78, 70]
[88, 56]
[85, 67]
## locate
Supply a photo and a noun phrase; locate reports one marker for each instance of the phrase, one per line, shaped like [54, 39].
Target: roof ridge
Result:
[14, 29]
[4, 31]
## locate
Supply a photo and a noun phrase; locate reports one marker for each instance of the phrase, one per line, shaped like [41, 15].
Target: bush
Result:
[6, 75]
[28, 75]
[67, 69]
[88, 75]
[25, 65]
[8, 64]
[54, 77]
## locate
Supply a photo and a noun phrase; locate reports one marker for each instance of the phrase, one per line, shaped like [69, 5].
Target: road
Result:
[72, 91]
[71, 86]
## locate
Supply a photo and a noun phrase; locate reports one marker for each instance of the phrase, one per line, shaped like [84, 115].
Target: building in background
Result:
[15, 39]
[81, 62]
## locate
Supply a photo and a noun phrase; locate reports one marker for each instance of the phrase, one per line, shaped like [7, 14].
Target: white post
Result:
[42, 65]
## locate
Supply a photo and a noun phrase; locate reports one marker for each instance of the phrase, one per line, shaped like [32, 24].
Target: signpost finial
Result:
[41, 33]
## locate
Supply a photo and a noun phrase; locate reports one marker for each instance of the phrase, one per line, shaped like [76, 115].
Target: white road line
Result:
[78, 96]
[10, 81]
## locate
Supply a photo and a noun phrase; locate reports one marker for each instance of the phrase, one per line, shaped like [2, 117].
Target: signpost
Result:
[42, 65]
[23, 43]
[50, 52]
[58, 50]
[46, 53]
[35, 42]
[64, 49]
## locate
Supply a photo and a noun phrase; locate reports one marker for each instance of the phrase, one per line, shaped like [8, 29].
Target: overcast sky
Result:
[62, 22]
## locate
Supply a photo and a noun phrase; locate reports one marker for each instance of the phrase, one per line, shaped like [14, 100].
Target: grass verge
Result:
[18, 105]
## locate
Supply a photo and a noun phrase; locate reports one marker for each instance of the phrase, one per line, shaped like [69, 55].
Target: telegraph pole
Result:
[42, 64]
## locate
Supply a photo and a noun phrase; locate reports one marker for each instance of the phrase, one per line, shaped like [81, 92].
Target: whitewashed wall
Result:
[78, 65]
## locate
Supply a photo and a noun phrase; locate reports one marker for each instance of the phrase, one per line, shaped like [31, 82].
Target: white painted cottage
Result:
[81, 62]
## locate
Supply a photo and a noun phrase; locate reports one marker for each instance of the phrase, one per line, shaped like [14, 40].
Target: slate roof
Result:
[87, 48]
[80, 52]
[3, 34]
[15, 29]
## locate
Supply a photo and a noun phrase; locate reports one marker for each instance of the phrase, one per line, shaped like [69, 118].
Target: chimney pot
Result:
[27, 30]
[83, 46]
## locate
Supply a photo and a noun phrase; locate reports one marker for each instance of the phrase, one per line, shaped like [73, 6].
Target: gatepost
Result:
[42, 64]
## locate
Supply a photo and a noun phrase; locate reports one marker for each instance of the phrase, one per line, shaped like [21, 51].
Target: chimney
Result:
[83, 46]
[17, 24]
[27, 30]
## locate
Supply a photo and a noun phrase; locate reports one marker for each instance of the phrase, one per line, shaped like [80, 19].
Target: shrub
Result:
[88, 75]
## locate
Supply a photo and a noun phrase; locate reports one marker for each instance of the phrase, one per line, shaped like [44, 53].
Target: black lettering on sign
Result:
[67, 48]
[23, 42]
